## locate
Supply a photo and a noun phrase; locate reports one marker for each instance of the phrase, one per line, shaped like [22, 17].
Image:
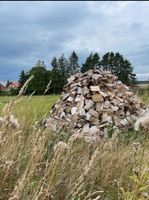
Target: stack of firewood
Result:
[95, 101]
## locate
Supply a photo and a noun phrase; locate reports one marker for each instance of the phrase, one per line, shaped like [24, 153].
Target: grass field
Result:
[29, 108]
[37, 164]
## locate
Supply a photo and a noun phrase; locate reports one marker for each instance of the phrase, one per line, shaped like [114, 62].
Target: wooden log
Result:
[124, 122]
[62, 115]
[88, 96]
[79, 90]
[105, 117]
[88, 116]
[93, 113]
[93, 130]
[82, 112]
[97, 98]
[85, 91]
[73, 110]
[71, 79]
[95, 88]
[103, 93]
[70, 99]
[114, 108]
[93, 120]
[73, 94]
[98, 107]
[106, 104]
[78, 98]
[96, 76]
[65, 96]
[86, 128]
[67, 109]
[75, 85]
[89, 105]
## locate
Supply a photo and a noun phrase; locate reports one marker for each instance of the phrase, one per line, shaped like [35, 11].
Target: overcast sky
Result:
[40, 30]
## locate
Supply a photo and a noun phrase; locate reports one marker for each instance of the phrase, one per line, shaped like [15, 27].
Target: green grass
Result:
[3, 101]
[27, 108]
[144, 95]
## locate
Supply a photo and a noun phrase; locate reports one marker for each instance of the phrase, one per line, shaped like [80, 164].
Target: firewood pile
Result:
[94, 101]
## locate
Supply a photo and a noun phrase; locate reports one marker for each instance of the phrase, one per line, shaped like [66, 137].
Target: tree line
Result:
[61, 68]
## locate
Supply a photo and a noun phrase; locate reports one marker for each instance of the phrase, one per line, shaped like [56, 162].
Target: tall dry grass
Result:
[38, 164]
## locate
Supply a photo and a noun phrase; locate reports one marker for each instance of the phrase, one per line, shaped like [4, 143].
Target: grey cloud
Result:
[39, 30]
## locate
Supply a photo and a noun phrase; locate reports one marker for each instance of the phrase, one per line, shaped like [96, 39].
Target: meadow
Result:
[29, 108]
[38, 164]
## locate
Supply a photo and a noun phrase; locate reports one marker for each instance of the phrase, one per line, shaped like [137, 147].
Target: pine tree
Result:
[130, 76]
[96, 61]
[55, 76]
[63, 70]
[105, 61]
[60, 72]
[92, 62]
[73, 63]
[119, 66]
[22, 78]
[88, 64]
